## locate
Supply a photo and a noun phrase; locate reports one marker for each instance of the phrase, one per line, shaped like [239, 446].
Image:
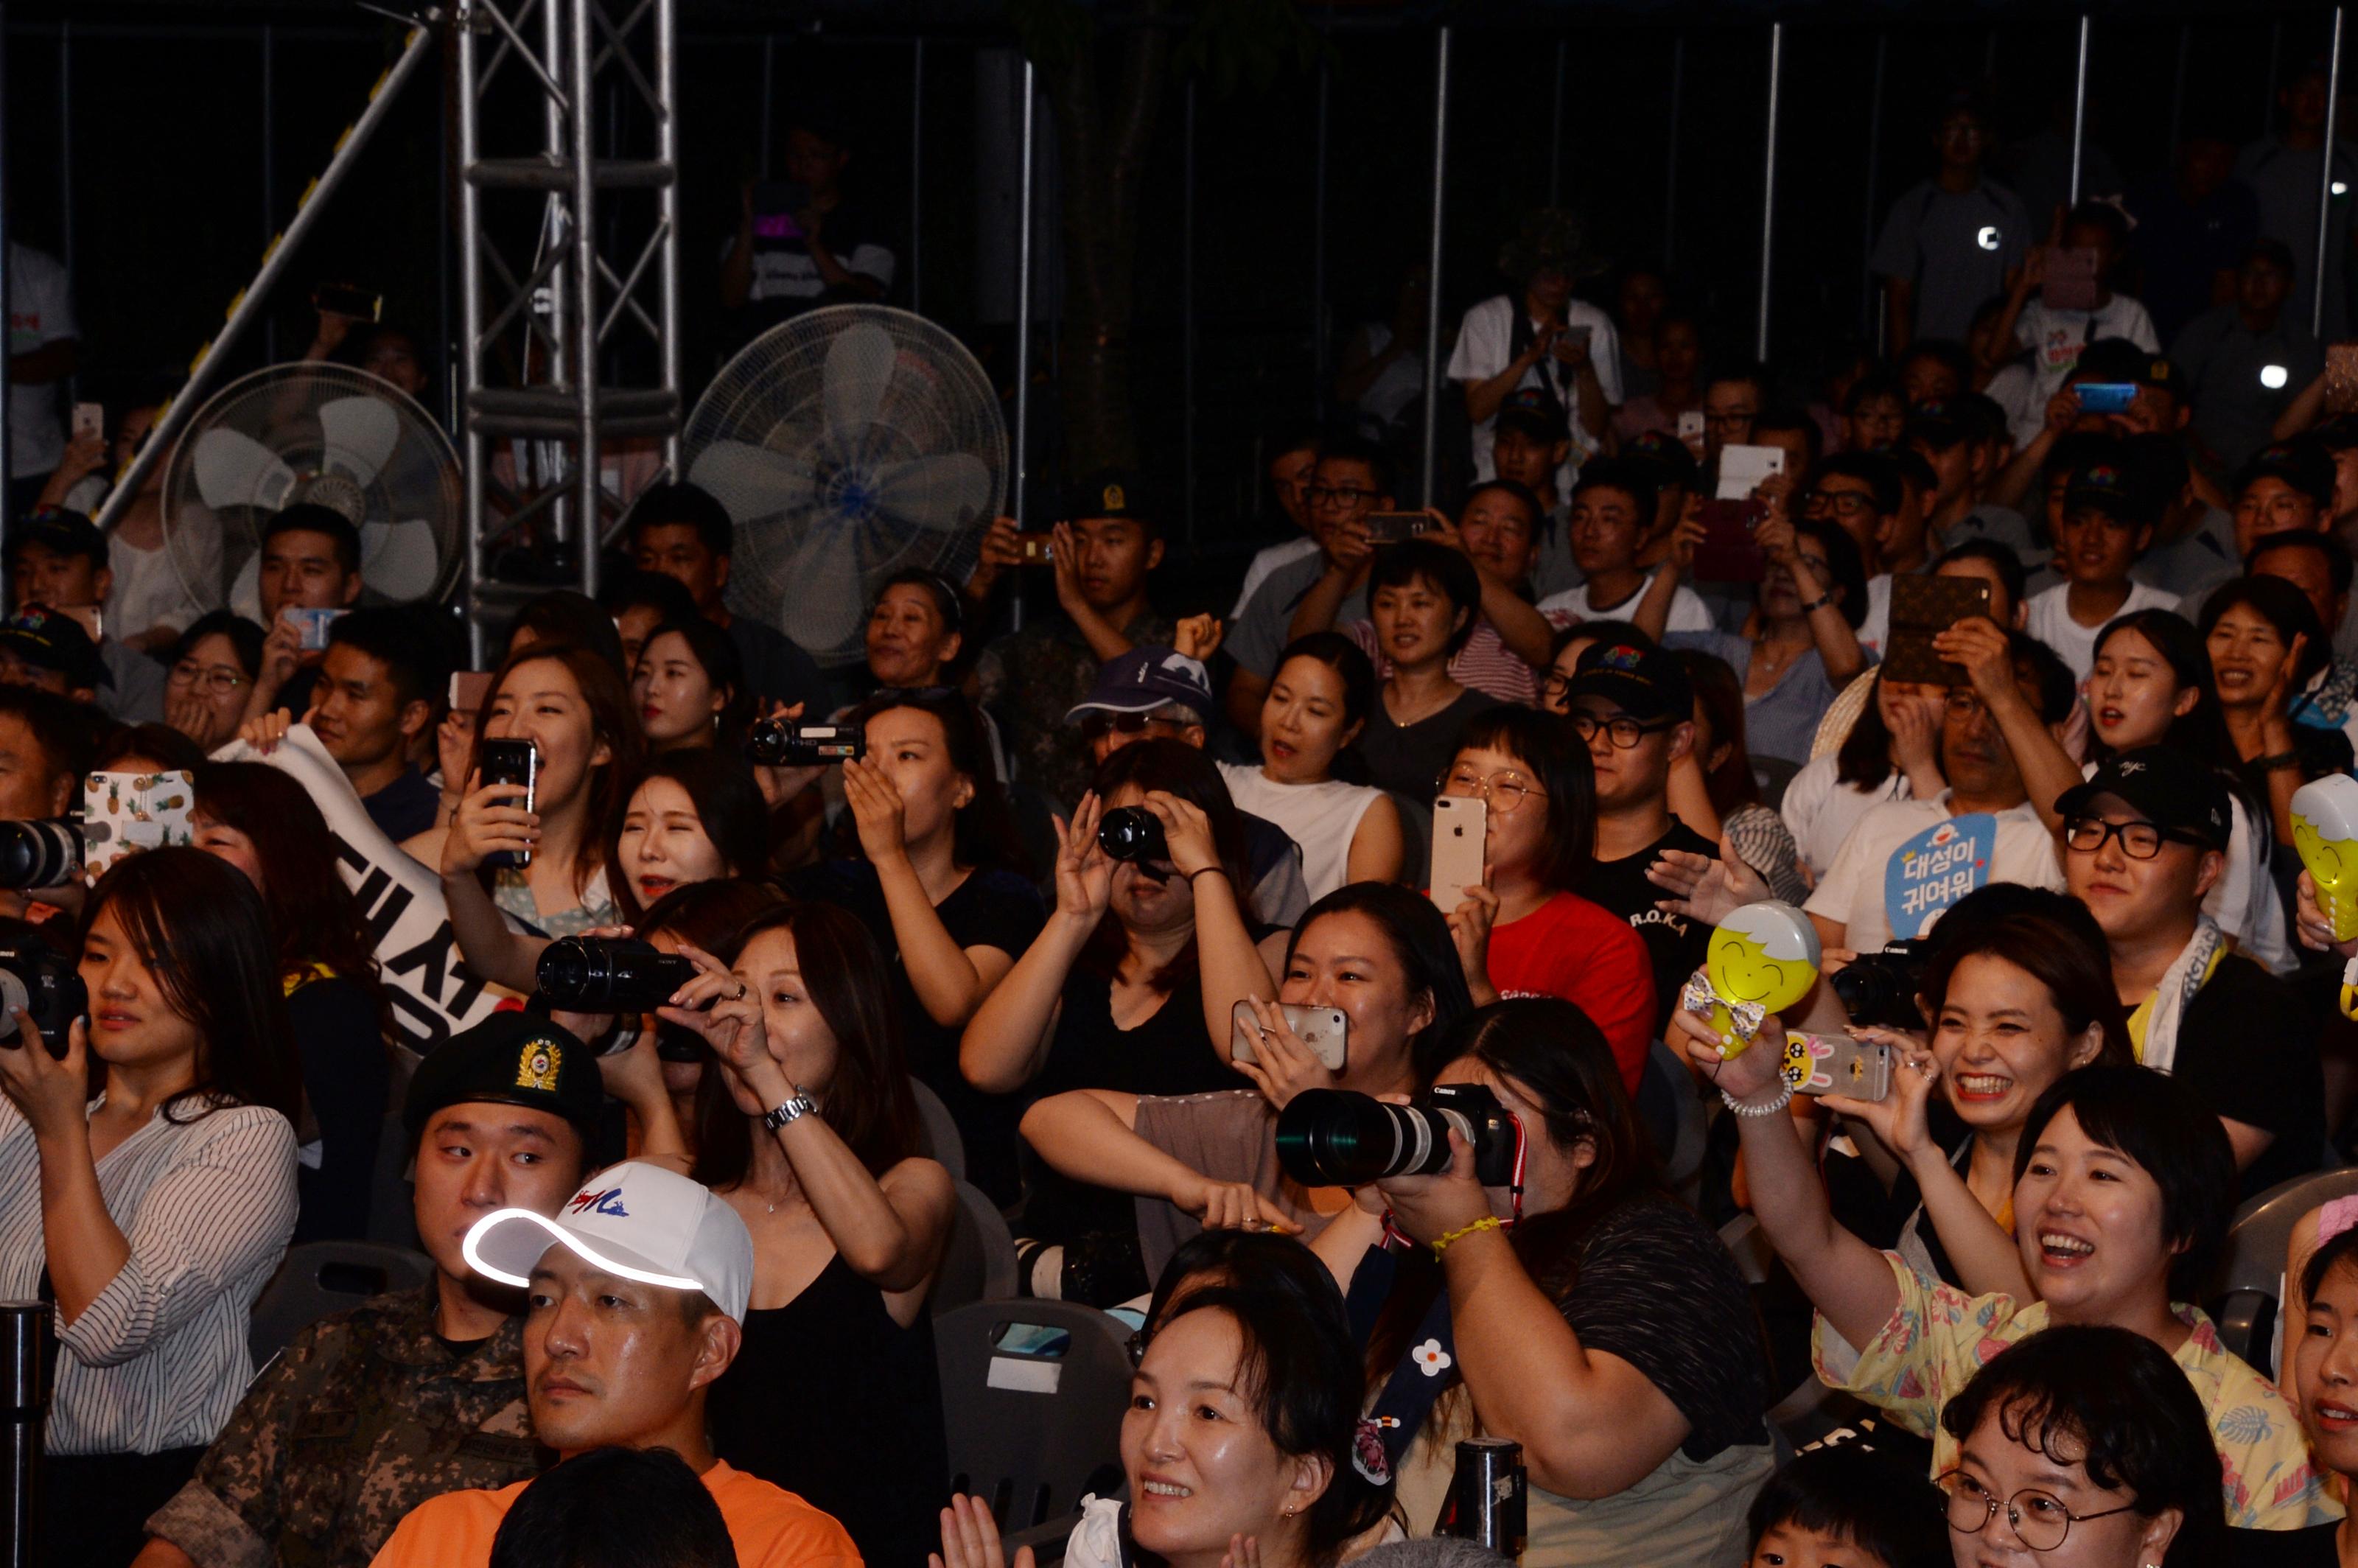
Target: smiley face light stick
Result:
[2325, 831]
[1761, 959]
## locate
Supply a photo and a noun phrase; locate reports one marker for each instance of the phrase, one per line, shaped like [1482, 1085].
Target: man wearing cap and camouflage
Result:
[636, 1294]
[1102, 552]
[56, 557]
[49, 650]
[369, 1412]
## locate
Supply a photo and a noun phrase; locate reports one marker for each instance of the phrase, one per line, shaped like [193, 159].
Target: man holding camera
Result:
[310, 561]
[2143, 840]
[369, 1412]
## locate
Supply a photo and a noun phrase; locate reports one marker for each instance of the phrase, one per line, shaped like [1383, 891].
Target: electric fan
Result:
[330, 436]
[846, 444]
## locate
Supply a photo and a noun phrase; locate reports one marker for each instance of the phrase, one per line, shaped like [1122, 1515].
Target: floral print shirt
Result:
[1939, 1336]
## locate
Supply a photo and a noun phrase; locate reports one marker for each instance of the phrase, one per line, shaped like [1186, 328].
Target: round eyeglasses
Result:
[2039, 1519]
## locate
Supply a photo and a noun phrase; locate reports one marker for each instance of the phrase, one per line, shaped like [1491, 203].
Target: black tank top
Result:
[833, 1400]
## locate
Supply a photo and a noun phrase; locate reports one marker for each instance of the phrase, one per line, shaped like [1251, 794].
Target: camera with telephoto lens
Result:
[1132, 833]
[45, 983]
[1880, 988]
[1334, 1138]
[609, 974]
[40, 854]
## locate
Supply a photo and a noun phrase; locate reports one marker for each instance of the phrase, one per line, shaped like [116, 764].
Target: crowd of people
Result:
[2001, 659]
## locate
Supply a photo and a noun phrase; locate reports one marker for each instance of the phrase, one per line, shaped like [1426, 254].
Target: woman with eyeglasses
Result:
[212, 672]
[1524, 932]
[1580, 1311]
[2266, 646]
[1317, 705]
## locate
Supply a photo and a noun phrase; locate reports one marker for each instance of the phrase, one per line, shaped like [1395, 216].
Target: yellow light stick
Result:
[1761, 959]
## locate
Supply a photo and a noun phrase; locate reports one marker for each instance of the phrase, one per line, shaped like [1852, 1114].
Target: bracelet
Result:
[1813, 606]
[1441, 1243]
[1771, 1108]
[2277, 761]
[1221, 871]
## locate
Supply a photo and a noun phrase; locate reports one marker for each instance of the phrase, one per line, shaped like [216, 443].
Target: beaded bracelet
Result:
[1771, 1108]
[1441, 1243]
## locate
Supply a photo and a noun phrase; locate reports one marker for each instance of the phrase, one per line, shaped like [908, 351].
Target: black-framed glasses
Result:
[1340, 495]
[2039, 1519]
[1623, 731]
[1840, 502]
[1555, 683]
[2139, 840]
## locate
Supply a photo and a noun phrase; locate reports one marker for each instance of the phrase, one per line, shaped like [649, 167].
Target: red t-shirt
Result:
[1584, 952]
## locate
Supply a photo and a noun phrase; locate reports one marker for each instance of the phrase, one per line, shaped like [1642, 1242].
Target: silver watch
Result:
[790, 1110]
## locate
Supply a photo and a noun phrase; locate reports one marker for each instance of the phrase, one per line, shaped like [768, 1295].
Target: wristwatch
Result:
[794, 1109]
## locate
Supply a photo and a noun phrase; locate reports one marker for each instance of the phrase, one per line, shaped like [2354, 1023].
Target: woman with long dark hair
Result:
[1713, 788]
[1584, 1313]
[1318, 703]
[260, 820]
[689, 687]
[701, 915]
[937, 884]
[807, 1127]
[153, 1213]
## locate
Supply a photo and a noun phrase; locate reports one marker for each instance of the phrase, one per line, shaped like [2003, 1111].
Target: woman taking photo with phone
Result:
[1587, 1316]
[937, 885]
[807, 1127]
[1380, 955]
[259, 819]
[689, 688]
[153, 1213]
[1317, 705]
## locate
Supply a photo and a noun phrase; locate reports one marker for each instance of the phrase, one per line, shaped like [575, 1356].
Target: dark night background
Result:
[166, 168]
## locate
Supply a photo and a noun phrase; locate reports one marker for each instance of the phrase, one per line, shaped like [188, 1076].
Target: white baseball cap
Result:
[635, 1220]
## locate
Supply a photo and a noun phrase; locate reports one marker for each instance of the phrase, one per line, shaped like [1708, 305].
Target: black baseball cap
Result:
[61, 529]
[1665, 458]
[49, 640]
[1533, 411]
[1110, 493]
[1645, 683]
[511, 1058]
[2174, 789]
[2302, 463]
[2111, 486]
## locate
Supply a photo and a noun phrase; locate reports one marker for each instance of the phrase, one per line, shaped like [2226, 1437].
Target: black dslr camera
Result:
[1880, 988]
[1335, 1137]
[45, 983]
[1132, 833]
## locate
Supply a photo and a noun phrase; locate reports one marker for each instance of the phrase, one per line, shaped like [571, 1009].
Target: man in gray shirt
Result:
[2283, 173]
[1951, 242]
[2248, 358]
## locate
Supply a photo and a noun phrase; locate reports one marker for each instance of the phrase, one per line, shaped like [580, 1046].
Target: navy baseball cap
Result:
[2303, 462]
[2173, 789]
[2111, 486]
[47, 640]
[1645, 683]
[1147, 678]
[1533, 411]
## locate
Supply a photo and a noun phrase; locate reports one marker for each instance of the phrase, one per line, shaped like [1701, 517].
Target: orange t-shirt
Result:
[770, 1526]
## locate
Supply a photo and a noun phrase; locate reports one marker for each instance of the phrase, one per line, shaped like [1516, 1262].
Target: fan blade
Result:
[233, 468]
[942, 493]
[361, 433]
[825, 606]
[859, 367]
[752, 482]
[398, 559]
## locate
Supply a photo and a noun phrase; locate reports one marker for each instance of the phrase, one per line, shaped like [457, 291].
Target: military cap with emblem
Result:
[510, 1058]
[1110, 493]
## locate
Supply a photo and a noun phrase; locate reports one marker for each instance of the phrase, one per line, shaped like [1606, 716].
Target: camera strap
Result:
[1417, 1380]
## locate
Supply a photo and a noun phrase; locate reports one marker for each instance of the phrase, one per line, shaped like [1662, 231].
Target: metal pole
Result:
[24, 1361]
[65, 145]
[444, 359]
[557, 292]
[667, 208]
[1869, 301]
[8, 310]
[1187, 319]
[2080, 107]
[1432, 261]
[249, 304]
[270, 168]
[2318, 281]
[1023, 311]
[1318, 255]
[2276, 52]
[1555, 130]
[769, 85]
[470, 342]
[1670, 155]
[1768, 189]
[585, 287]
[916, 164]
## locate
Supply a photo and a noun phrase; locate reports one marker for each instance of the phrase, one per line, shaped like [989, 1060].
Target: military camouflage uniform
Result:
[364, 1416]
[1031, 680]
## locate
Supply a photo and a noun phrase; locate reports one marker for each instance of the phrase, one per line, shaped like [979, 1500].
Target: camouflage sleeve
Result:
[227, 1515]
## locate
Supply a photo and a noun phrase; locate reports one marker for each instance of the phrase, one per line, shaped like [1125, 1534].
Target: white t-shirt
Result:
[1486, 347]
[2048, 617]
[1322, 818]
[2010, 389]
[1851, 891]
[1821, 811]
[40, 312]
[1688, 611]
[1267, 560]
[2056, 337]
[1398, 385]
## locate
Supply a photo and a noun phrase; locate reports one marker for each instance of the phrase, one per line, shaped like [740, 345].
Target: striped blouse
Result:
[158, 1360]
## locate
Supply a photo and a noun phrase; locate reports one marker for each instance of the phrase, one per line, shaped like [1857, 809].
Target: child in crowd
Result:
[1847, 1507]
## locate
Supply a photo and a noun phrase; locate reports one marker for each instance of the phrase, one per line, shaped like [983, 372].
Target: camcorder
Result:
[1336, 1137]
[609, 974]
[1132, 833]
[1880, 988]
[783, 743]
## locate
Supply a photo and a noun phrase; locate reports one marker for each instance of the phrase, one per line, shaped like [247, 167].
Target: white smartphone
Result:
[89, 420]
[1459, 824]
[1320, 1028]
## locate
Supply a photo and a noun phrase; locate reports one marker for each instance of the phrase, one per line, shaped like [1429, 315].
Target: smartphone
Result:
[123, 813]
[2342, 378]
[783, 743]
[1838, 1065]
[1320, 1028]
[1572, 338]
[2105, 397]
[1743, 469]
[1729, 552]
[1459, 824]
[343, 299]
[1921, 608]
[90, 421]
[312, 623]
[469, 689]
[1037, 549]
[1691, 425]
[515, 763]
[2071, 280]
[1396, 527]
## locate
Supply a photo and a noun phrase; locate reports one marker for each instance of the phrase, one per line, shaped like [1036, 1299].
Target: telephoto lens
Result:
[1132, 833]
[609, 974]
[1335, 1137]
[40, 854]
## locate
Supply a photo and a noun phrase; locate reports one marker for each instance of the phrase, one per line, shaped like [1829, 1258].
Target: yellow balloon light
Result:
[1761, 959]
[2325, 832]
